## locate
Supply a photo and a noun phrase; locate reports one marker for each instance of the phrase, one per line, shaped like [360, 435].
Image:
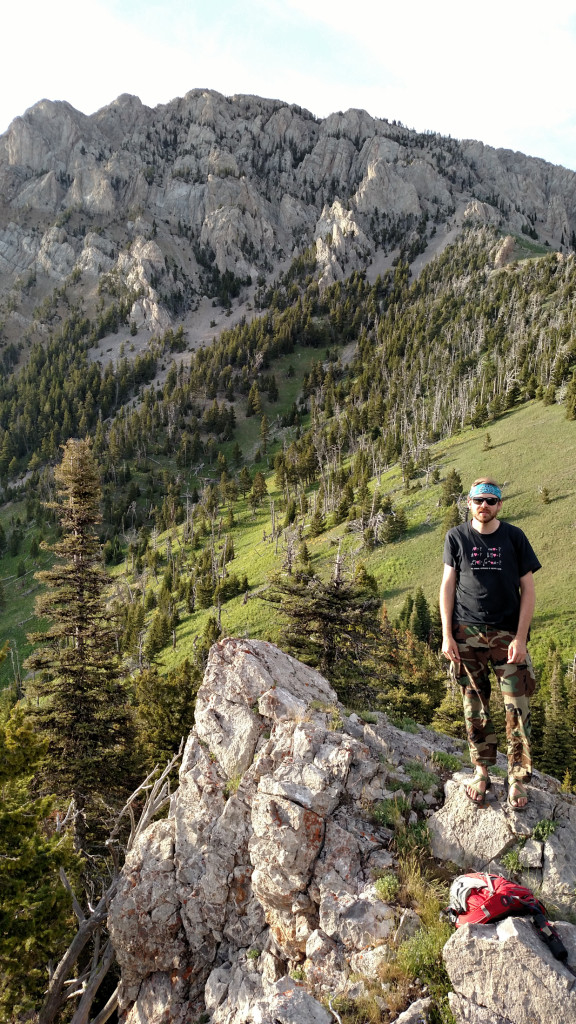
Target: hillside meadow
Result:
[531, 448]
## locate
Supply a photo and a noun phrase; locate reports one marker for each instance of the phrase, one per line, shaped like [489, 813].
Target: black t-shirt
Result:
[488, 567]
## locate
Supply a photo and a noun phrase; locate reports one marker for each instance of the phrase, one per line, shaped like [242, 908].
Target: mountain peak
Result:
[243, 184]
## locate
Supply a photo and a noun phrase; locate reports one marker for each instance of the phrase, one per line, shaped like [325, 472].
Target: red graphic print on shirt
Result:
[485, 557]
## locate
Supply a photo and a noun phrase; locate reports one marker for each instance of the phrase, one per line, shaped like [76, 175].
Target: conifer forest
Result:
[275, 483]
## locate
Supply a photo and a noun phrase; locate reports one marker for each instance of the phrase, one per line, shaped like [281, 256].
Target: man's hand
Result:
[447, 592]
[450, 648]
[517, 651]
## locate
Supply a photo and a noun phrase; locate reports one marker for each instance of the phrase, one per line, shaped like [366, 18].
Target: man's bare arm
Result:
[517, 649]
[447, 594]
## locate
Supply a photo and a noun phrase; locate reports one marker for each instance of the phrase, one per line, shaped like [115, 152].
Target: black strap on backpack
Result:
[545, 929]
[549, 935]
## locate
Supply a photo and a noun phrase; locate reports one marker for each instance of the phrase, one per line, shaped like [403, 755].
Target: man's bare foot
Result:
[517, 795]
[476, 789]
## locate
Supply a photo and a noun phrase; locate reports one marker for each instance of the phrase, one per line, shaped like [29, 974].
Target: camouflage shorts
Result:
[482, 648]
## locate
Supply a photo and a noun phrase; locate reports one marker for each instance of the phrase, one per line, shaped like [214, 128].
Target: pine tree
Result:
[570, 398]
[259, 490]
[395, 525]
[291, 512]
[254, 404]
[571, 715]
[244, 480]
[82, 711]
[335, 627]
[451, 488]
[164, 711]
[405, 612]
[205, 590]
[264, 433]
[451, 517]
[35, 913]
[6, 454]
[435, 639]
[557, 739]
[345, 504]
[412, 682]
[212, 633]
[419, 623]
[317, 522]
[449, 715]
[158, 635]
[303, 560]
[537, 712]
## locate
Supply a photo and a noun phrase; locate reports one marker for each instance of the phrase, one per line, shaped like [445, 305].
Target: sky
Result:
[501, 71]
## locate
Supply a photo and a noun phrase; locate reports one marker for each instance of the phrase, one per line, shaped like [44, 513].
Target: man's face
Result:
[481, 511]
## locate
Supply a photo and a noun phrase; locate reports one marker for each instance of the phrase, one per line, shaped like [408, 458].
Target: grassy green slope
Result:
[532, 447]
[17, 616]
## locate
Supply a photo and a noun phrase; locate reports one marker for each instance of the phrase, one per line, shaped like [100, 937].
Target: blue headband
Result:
[478, 489]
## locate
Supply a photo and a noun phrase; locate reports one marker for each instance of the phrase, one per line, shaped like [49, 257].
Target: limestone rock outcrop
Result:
[504, 974]
[242, 185]
[542, 836]
[266, 863]
[255, 899]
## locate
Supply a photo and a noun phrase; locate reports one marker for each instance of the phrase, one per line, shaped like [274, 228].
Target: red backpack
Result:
[479, 898]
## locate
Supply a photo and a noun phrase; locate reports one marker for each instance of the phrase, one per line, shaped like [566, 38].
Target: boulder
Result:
[417, 1013]
[469, 836]
[506, 970]
[477, 838]
[356, 921]
[256, 897]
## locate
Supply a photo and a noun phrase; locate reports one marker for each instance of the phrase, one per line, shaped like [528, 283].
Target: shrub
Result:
[365, 1010]
[369, 717]
[543, 829]
[390, 813]
[396, 784]
[415, 837]
[335, 722]
[387, 886]
[421, 779]
[449, 762]
[440, 1012]
[405, 723]
[419, 959]
[511, 861]
[421, 956]
[233, 784]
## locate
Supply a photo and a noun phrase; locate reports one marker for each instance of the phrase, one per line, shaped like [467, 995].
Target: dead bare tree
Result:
[66, 981]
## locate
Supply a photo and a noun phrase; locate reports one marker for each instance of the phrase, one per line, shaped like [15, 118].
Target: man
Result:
[486, 605]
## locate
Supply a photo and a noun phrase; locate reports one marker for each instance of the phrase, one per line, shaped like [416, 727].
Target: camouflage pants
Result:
[482, 647]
